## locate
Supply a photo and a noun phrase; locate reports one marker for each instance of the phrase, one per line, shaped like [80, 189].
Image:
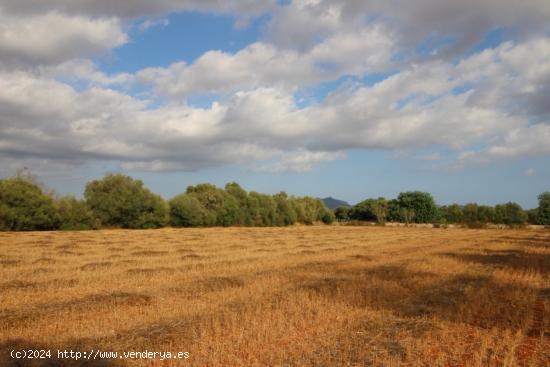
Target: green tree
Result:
[422, 204]
[543, 210]
[211, 199]
[510, 214]
[363, 211]
[25, 207]
[452, 213]
[75, 214]
[532, 216]
[342, 214]
[286, 214]
[394, 211]
[242, 199]
[371, 210]
[328, 216]
[186, 211]
[120, 201]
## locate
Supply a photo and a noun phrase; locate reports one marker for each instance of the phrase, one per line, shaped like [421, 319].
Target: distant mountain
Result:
[333, 203]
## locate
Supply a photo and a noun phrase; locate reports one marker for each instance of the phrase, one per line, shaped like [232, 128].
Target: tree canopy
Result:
[121, 201]
[25, 207]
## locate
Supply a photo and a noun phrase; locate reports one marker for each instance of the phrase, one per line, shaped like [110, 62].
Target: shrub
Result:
[511, 214]
[543, 210]
[75, 214]
[420, 204]
[186, 211]
[120, 201]
[25, 207]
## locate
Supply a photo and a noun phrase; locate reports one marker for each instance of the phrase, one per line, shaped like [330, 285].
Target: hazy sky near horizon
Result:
[350, 99]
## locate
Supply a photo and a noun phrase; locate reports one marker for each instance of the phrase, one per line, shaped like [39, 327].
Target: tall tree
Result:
[121, 201]
[543, 210]
[25, 207]
[422, 204]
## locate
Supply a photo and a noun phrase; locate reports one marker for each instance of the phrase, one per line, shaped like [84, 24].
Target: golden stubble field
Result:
[297, 296]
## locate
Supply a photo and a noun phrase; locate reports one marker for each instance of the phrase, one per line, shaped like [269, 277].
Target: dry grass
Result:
[299, 296]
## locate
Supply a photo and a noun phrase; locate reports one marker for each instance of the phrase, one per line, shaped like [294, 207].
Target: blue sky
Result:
[349, 99]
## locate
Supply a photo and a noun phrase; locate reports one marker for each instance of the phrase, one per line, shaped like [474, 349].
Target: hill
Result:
[333, 203]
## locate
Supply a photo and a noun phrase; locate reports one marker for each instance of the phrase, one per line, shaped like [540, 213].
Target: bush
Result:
[371, 210]
[186, 211]
[511, 214]
[543, 210]
[419, 207]
[342, 214]
[120, 201]
[328, 217]
[25, 207]
[75, 214]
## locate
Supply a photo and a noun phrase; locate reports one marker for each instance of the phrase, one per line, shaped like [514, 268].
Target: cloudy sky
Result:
[352, 99]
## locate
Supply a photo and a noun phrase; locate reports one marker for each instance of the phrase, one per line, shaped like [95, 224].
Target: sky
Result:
[350, 99]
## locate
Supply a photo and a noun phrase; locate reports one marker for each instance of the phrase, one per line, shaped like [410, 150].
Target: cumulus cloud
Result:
[263, 65]
[84, 70]
[243, 10]
[417, 107]
[302, 22]
[55, 37]
[300, 161]
[492, 104]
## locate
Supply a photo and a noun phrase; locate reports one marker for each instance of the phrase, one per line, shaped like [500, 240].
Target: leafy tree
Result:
[543, 210]
[452, 213]
[211, 199]
[532, 216]
[328, 216]
[394, 211]
[120, 201]
[286, 214]
[25, 207]
[510, 213]
[363, 211]
[243, 203]
[75, 214]
[408, 215]
[380, 210]
[422, 204]
[486, 214]
[265, 209]
[342, 214]
[371, 210]
[470, 213]
[186, 211]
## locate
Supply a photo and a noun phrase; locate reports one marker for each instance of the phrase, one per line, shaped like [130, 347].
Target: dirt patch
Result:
[96, 265]
[150, 271]
[149, 253]
[17, 285]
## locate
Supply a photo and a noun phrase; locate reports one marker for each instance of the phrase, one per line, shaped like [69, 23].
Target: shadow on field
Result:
[511, 259]
[535, 241]
[56, 360]
[95, 301]
[475, 300]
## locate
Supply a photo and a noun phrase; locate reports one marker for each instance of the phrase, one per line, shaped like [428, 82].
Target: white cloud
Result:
[417, 107]
[491, 105]
[263, 65]
[149, 23]
[530, 172]
[300, 161]
[54, 37]
[302, 22]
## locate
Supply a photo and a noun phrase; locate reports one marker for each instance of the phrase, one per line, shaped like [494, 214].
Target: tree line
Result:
[119, 201]
[420, 207]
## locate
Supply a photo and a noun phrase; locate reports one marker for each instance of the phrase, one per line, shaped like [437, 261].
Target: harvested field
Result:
[295, 296]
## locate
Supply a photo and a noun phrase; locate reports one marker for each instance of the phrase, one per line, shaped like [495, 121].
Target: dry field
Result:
[297, 296]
